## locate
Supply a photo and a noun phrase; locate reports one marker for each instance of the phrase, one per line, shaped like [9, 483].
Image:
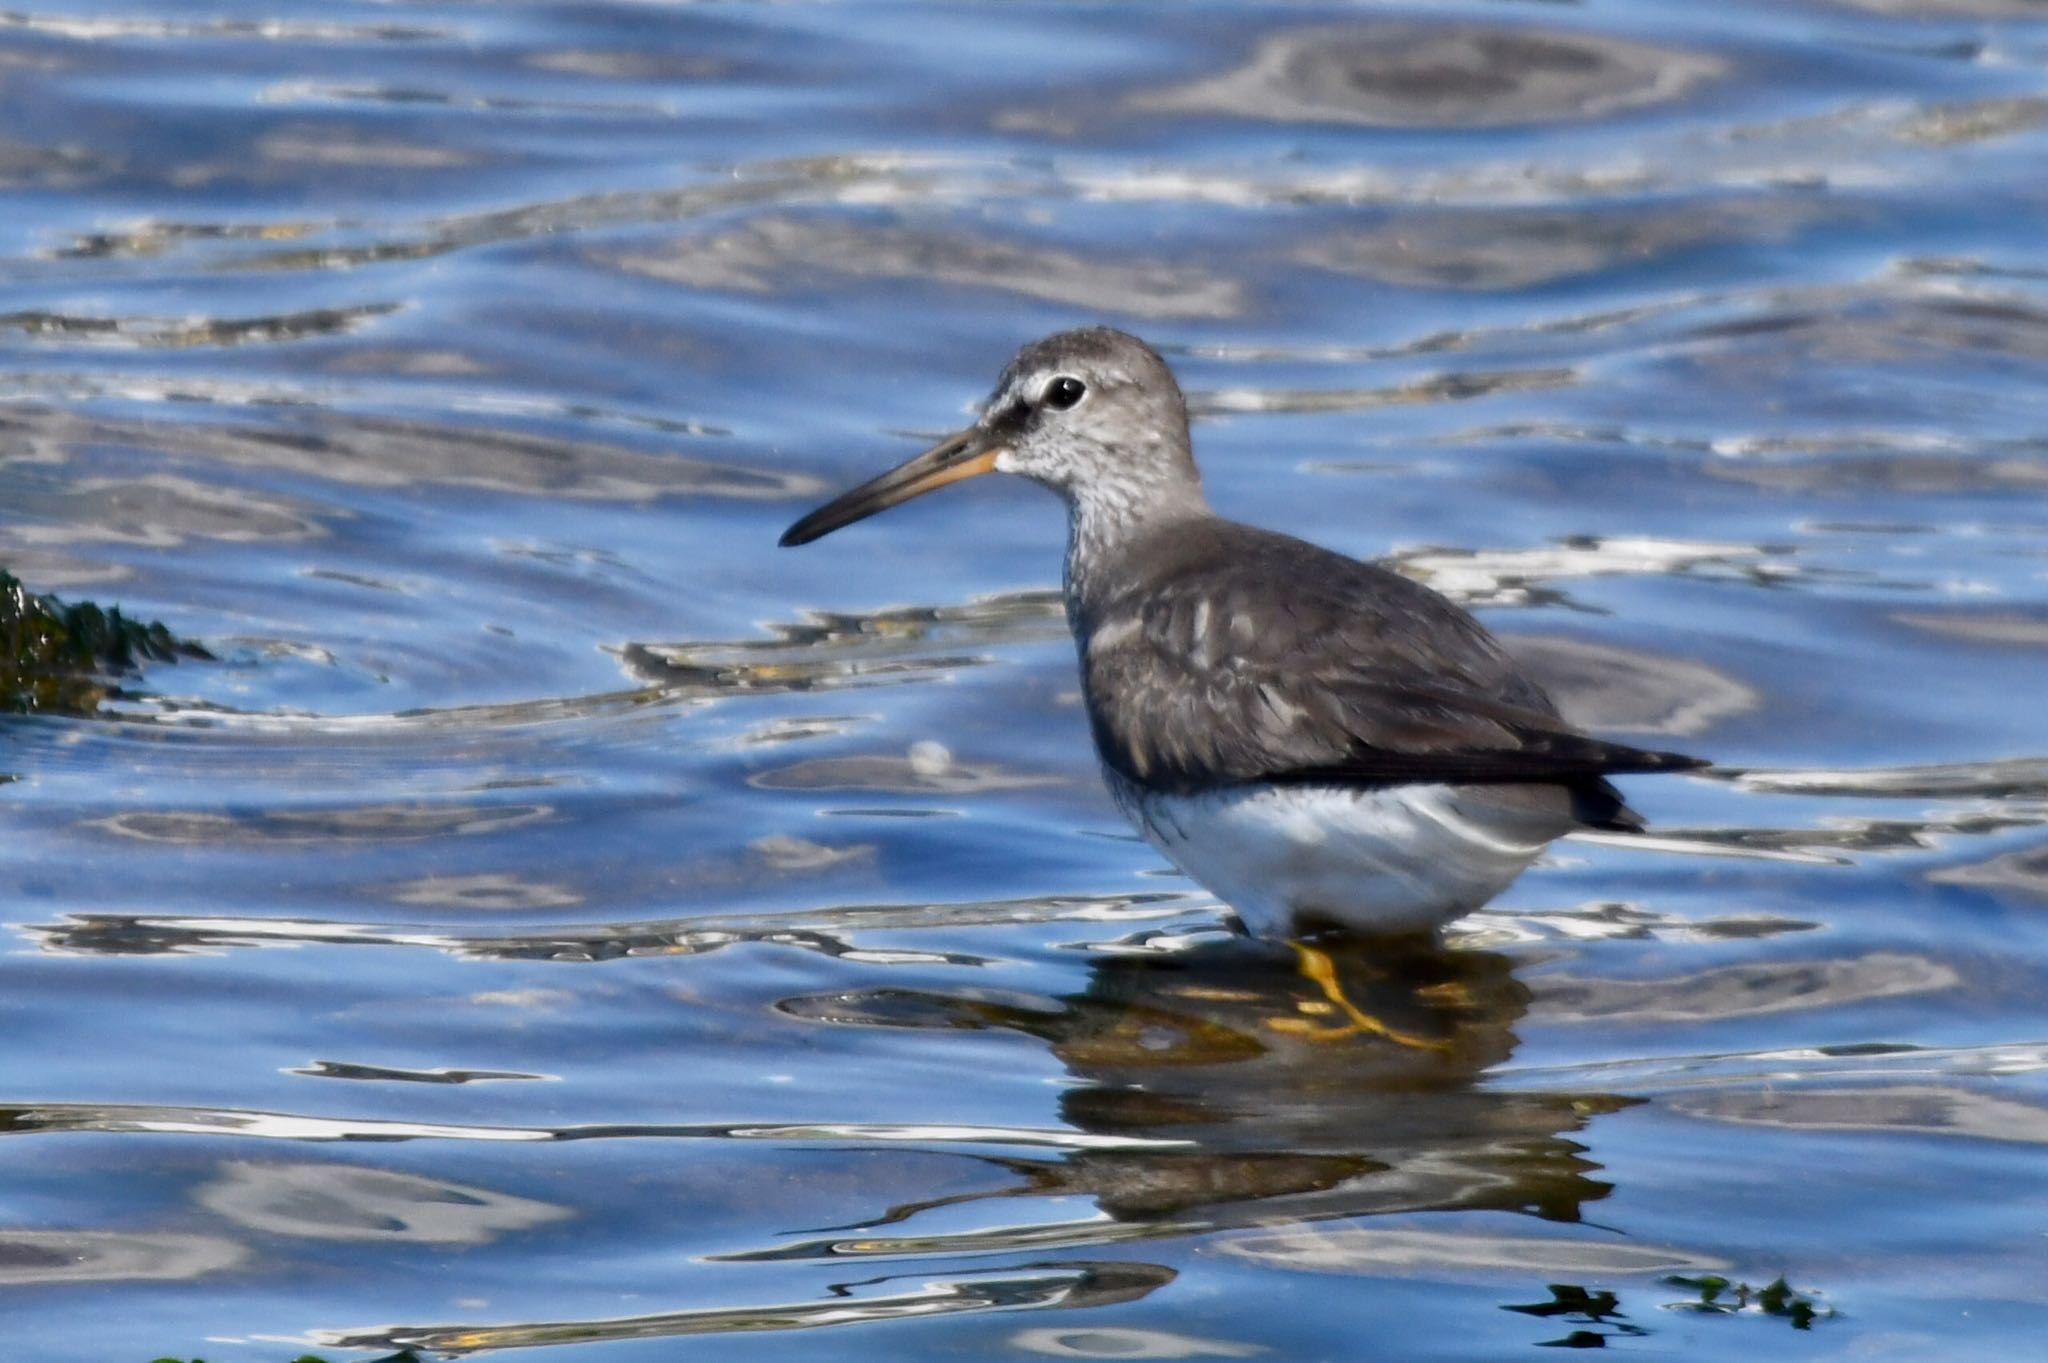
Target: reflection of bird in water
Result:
[1275, 1107]
[1320, 741]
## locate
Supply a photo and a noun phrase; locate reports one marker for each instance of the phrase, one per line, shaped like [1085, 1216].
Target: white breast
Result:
[1401, 859]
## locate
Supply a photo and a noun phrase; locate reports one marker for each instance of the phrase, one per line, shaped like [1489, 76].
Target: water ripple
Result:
[147, 333]
[286, 1126]
[266, 29]
[381, 452]
[827, 932]
[1032, 1287]
[2024, 778]
[1396, 74]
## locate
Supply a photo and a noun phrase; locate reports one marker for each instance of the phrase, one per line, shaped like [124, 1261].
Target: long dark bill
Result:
[964, 454]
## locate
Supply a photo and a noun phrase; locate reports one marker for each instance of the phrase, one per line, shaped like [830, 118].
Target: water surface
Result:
[562, 921]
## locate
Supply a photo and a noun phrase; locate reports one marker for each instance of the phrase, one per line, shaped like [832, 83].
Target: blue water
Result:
[562, 920]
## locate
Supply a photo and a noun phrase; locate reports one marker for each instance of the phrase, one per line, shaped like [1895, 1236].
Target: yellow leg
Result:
[1317, 967]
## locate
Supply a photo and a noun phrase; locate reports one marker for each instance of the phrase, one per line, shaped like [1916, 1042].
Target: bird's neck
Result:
[1104, 521]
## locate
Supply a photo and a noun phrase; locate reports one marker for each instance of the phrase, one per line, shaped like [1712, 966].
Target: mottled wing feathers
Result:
[1249, 656]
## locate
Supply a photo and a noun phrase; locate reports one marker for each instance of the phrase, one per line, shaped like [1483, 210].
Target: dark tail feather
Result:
[1597, 804]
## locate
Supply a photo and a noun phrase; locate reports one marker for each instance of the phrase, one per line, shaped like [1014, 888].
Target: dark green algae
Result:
[66, 659]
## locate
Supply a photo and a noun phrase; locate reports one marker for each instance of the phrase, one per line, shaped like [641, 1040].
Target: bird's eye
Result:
[1064, 391]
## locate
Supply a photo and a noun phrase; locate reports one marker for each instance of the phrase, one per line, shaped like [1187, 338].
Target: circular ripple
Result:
[55, 1256]
[1442, 76]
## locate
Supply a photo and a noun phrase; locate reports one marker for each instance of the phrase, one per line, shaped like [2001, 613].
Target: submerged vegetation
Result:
[1720, 1297]
[65, 659]
[1597, 1316]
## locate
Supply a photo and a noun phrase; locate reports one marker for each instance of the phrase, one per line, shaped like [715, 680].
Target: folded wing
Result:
[1237, 665]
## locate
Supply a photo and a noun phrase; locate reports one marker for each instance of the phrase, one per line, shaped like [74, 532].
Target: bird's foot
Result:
[1316, 967]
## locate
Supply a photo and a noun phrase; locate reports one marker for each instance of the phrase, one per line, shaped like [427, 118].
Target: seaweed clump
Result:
[67, 659]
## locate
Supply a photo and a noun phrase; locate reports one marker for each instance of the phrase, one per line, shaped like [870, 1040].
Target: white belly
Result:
[1402, 859]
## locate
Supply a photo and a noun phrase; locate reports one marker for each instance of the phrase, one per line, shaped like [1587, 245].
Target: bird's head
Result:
[1093, 414]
